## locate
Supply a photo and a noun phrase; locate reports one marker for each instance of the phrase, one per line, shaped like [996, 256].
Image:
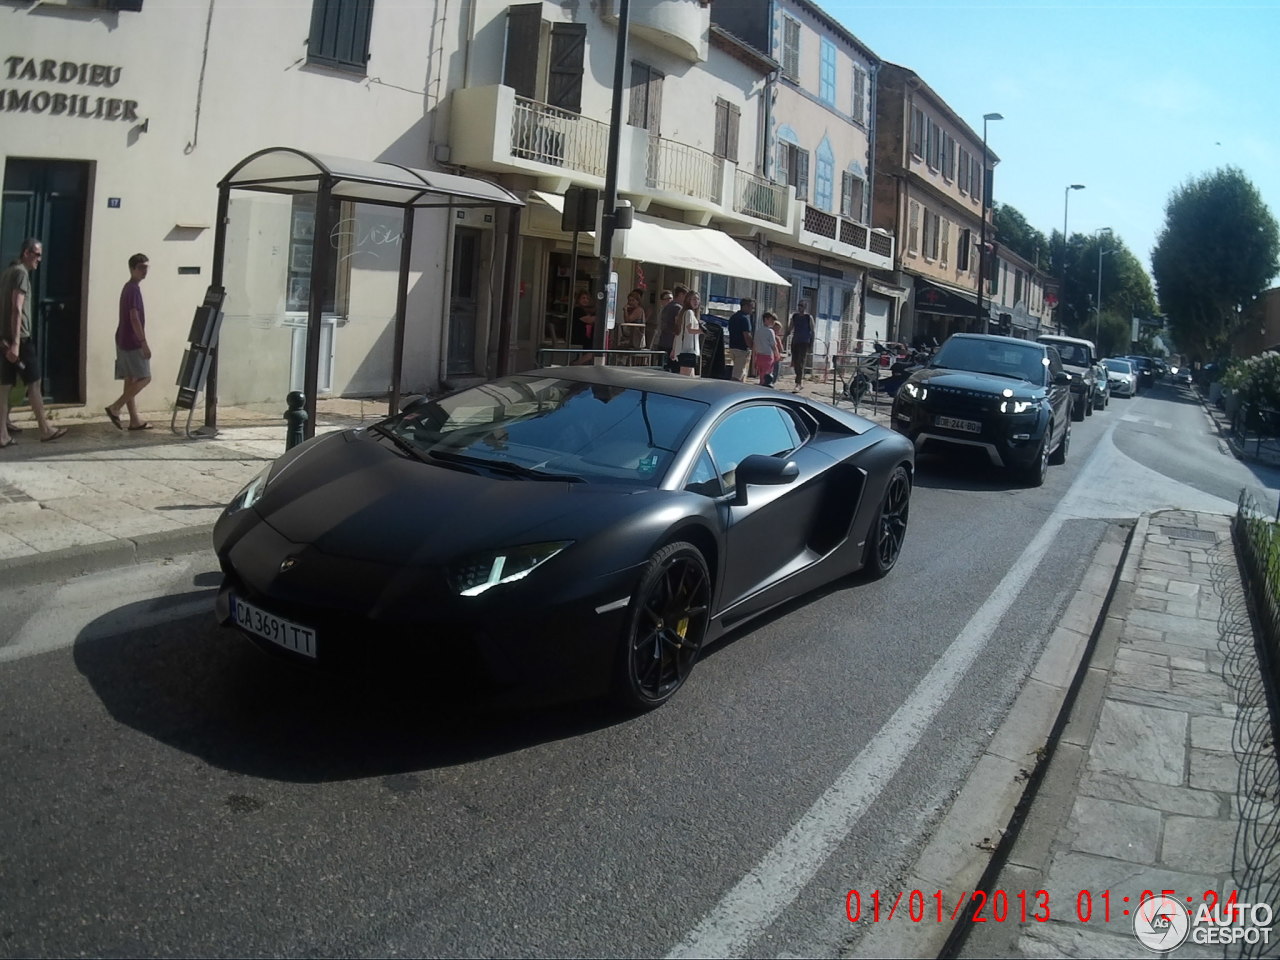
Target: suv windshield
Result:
[1004, 358]
[523, 426]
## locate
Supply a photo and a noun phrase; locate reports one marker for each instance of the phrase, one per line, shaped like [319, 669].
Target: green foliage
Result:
[1112, 338]
[1218, 250]
[1256, 380]
[1014, 233]
[1126, 288]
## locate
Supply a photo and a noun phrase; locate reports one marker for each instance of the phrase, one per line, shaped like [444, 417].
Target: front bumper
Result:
[1008, 440]
[539, 631]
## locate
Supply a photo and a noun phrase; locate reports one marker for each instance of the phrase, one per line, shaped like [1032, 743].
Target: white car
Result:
[1121, 378]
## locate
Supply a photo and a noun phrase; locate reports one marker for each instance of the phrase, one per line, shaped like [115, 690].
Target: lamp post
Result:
[1062, 280]
[609, 215]
[1097, 316]
[982, 212]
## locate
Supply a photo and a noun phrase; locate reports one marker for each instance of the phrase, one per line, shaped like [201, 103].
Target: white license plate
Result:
[951, 423]
[285, 633]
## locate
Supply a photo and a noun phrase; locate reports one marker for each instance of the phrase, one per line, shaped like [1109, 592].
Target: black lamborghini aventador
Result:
[588, 528]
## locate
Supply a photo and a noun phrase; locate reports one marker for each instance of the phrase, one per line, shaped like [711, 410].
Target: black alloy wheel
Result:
[1033, 473]
[884, 540]
[669, 614]
[1059, 456]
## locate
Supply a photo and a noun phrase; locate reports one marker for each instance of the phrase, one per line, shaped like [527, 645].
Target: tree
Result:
[1217, 252]
[1013, 231]
[1126, 288]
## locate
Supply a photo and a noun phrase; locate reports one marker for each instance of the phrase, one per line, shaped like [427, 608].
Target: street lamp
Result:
[986, 205]
[1062, 282]
[1097, 316]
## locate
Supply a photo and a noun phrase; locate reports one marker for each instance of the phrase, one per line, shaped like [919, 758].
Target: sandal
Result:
[9, 444]
[56, 435]
[13, 427]
[115, 419]
[144, 425]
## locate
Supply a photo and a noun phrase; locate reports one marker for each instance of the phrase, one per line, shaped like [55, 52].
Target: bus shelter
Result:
[287, 170]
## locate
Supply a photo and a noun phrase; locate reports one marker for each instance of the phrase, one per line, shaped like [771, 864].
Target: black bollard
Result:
[296, 418]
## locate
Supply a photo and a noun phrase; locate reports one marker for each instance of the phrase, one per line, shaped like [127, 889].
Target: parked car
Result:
[1078, 357]
[1121, 379]
[588, 528]
[1008, 397]
[1145, 369]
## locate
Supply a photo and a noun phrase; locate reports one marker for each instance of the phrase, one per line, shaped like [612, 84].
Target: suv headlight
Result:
[474, 575]
[914, 391]
[1016, 406]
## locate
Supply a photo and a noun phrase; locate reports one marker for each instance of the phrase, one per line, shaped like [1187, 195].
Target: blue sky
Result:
[1129, 99]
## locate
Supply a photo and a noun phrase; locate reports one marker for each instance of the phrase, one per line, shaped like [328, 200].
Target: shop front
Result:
[942, 310]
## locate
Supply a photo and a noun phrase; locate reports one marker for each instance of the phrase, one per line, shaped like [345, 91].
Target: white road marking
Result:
[107, 604]
[760, 897]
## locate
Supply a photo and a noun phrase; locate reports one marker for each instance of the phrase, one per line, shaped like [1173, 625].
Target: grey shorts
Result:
[132, 365]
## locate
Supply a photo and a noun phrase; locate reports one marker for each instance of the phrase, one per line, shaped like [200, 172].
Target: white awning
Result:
[700, 249]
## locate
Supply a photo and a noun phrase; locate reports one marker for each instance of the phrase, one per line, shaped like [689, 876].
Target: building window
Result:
[827, 76]
[913, 227]
[1017, 285]
[963, 247]
[917, 131]
[931, 230]
[302, 231]
[564, 71]
[793, 168]
[975, 179]
[948, 156]
[824, 185]
[791, 48]
[339, 35]
[859, 95]
[945, 242]
[728, 119]
[852, 196]
[646, 97]
[965, 173]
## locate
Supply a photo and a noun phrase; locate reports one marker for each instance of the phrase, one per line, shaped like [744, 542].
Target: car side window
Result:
[762, 428]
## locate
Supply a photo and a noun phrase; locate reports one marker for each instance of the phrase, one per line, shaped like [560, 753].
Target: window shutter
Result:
[782, 171]
[639, 94]
[722, 124]
[859, 95]
[913, 226]
[790, 49]
[564, 83]
[339, 34]
[946, 240]
[846, 193]
[655, 101]
[962, 253]
[524, 27]
[802, 174]
[735, 121]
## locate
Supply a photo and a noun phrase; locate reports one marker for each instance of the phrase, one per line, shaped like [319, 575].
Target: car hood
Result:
[984, 383]
[355, 496]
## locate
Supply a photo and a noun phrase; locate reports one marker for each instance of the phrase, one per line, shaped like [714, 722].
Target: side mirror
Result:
[760, 469]
[1061, 377]
[408, 401]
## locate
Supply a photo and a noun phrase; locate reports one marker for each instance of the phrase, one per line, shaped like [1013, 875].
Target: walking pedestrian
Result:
[133, 356]
[669, 323]
[766, 349]
[800, 332]
[686, 349]
[740, 338]
[19, 357]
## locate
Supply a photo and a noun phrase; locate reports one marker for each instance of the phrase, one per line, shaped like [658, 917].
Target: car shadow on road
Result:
[206, 691]
[965, 470]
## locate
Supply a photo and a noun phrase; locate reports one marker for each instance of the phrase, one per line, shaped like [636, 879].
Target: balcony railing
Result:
[820, 222]
[846, 231]
[679, 168]
[760, 198]
[881, 244]
[547, 134]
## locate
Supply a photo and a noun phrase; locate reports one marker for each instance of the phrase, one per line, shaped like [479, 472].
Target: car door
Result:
[1059, 395]
[767, 537]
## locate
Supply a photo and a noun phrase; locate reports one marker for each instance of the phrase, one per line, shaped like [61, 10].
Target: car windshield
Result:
[1118, 366]
[529, 427]
[1005, 358]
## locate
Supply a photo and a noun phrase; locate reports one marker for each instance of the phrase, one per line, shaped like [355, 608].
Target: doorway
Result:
[463, 301]
[47, 199]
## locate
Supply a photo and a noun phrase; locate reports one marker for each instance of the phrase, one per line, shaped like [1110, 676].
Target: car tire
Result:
[1059, 456]
[1033, 473]
[666, 623]
[889, 529]
[1077, 408]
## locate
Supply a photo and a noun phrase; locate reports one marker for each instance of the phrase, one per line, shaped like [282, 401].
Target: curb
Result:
[107, 555]
[968, 847]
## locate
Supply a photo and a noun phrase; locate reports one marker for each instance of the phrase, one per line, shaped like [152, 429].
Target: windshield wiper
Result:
[504, 466]
[398, 440]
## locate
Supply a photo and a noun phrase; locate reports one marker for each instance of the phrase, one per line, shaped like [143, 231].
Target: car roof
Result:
[1059, 338]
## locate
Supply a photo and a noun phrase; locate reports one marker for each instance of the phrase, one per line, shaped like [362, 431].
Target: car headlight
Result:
[251, 494]
[474, 575]
[915, 391]
[1016, 406]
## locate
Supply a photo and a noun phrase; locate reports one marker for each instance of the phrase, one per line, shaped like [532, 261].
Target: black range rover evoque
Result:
[1008, 397]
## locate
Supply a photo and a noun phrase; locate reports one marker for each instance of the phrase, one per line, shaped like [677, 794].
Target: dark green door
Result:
[464, 301]
[46, 199]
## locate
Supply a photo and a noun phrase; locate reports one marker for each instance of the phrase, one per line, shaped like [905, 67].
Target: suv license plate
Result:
[284, 633]
[951, 423]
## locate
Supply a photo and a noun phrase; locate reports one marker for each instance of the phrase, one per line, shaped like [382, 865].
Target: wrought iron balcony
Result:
[546, 134]
[846, 237]
[679, 168]
[760, 198]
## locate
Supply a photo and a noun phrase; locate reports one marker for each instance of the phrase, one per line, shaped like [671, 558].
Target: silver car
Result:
[1122, 379]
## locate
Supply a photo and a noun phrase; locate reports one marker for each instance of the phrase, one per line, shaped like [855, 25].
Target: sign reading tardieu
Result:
[64, 73]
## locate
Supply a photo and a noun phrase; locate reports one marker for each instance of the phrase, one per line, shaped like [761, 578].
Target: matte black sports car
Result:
[584, 527]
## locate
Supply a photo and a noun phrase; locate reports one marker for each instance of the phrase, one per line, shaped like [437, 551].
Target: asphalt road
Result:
[168, 790]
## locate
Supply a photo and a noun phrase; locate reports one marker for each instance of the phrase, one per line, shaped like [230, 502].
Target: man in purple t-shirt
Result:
[133, 356]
